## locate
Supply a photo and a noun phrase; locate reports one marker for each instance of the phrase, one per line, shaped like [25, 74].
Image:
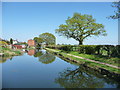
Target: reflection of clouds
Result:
[43, 51]
[78, 79]
[47, 58]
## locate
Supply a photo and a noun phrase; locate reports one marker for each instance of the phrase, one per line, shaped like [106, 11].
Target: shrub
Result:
[105, 50]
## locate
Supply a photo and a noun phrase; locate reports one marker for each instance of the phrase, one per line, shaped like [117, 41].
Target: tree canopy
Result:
[38, 41]
[79, 27]
[117, 12]
[11, 41]
[48, 38]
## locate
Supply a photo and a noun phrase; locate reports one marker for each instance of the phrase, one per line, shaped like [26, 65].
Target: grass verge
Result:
[89, 63]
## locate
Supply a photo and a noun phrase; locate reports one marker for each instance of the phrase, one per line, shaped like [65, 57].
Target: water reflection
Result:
[81, 78]
[31, 52]
[4, 59]
[55, 75]
[38, 54]
[47, 58]
[43, 56]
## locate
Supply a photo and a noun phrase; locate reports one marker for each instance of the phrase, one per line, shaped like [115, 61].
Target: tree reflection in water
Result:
[4, 59]
[38, 54]
[44, 56]
[78, 79]
[47, 58]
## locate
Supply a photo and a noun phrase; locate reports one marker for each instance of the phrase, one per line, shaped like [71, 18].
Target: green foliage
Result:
[88, 49]
[24, 43]
[11, 41]
[38, 41]
[66, 47]
[17, 52]
[3, 43]
[38, 54]
[8, 42]
[103, 50]
[117, 12]
[47, 58]
[80, 27]
[48, 38]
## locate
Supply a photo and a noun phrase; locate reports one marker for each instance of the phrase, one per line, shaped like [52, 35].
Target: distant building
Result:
[17, 46]
[31, 42]
[15, 41]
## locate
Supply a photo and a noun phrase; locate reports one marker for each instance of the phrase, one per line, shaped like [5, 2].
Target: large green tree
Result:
[79, 27]
[38, 41]
[48, 38]
[117, 12]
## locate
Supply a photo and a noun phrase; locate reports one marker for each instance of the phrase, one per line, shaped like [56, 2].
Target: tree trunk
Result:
[80, 42]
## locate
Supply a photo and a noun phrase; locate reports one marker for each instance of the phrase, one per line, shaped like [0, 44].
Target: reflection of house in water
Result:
[31, 52]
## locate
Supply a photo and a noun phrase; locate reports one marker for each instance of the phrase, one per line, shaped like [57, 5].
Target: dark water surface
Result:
[40, 69]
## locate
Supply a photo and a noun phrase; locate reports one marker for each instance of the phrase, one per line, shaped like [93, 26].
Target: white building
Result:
[15, 41]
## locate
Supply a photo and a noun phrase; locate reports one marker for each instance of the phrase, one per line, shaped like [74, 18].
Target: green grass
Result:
[92, 64]
[9, 52]
[17, 52]
[109, 60]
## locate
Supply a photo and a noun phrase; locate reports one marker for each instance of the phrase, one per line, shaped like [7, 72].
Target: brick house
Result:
[31, 42]
[17, 46]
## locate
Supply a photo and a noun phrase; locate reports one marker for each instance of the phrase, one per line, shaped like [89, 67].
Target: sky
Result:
[26, 20]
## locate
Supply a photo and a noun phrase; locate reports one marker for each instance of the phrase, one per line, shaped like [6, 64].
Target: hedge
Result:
[106, 50]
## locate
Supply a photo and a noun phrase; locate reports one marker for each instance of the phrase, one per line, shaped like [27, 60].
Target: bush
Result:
[90, 49]
[104, 50]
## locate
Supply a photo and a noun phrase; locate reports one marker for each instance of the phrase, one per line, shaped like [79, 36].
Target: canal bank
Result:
[46, 70]
[112, 72]
[7, 51]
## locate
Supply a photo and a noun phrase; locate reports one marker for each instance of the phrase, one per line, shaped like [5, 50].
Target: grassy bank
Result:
[9, 52]
[109, 60]
[112, 61]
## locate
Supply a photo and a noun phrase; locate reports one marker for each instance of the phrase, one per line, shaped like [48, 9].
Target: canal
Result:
[41, 69]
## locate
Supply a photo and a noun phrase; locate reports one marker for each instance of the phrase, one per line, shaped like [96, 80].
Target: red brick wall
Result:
[18, 46]
[31, 43]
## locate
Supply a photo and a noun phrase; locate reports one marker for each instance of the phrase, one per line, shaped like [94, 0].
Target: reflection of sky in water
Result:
[109, 85]
[43, 51]
[30, 72]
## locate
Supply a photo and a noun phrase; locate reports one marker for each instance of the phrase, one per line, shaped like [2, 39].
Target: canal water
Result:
[40, 69]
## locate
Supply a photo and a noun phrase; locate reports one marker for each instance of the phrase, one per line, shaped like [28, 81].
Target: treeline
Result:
[103, 50]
